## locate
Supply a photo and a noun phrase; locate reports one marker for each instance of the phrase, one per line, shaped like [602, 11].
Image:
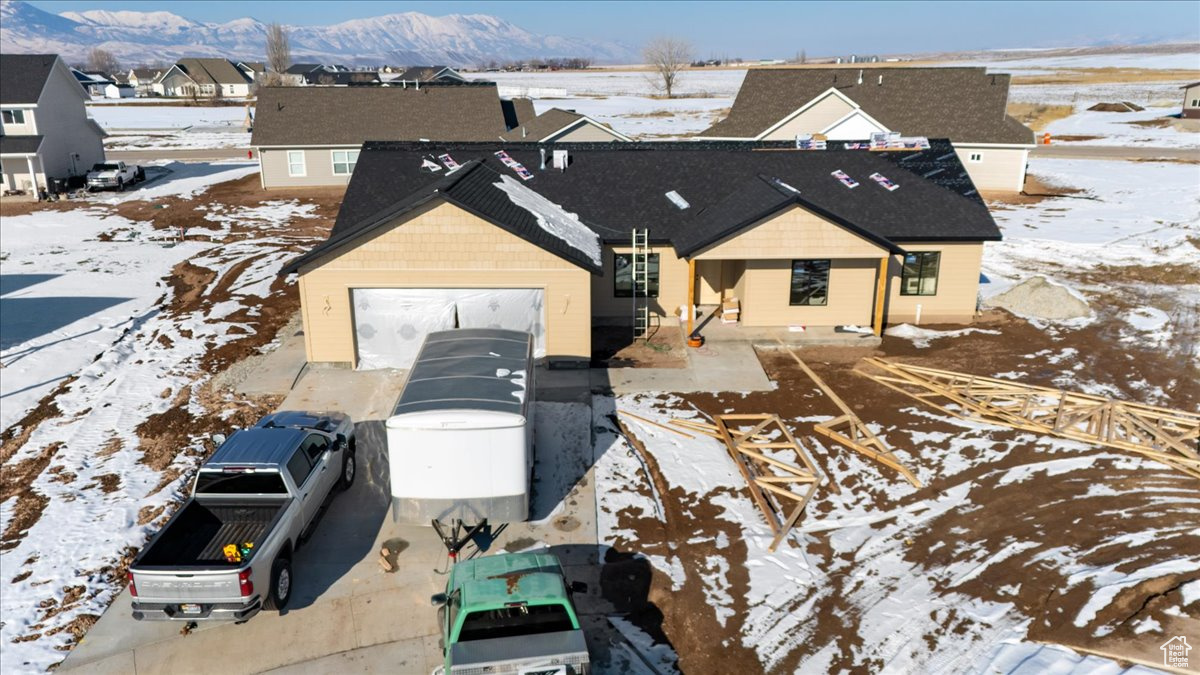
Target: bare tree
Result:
[666, 56]
[279, 54]
[103, 60]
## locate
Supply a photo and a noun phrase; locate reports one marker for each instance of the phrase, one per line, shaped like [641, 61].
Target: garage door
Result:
[391, 323]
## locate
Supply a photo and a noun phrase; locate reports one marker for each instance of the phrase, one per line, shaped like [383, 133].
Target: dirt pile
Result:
[1039, 298]
[1122, 106]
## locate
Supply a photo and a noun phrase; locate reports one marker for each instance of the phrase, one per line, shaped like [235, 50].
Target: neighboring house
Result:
[471, 243]
[203, 78]
[431, 74]
[1191, 100]
[93, 82]
[307, 136]
[143, 80]
[254, 71]
[557, 125]
[294, 75]
[44, 127]
[120, 91]
[339, 78]
[966, 105]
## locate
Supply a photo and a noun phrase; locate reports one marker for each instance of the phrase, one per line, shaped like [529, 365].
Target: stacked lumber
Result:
[1166, 435]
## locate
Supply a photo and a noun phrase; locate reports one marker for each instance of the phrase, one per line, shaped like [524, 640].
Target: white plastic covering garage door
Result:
[390, 323]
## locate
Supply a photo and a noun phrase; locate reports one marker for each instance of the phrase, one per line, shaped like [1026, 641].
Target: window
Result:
[344, 161]
[299, 467]
[295, 162]
[810, 282]
[976, 157]
[1195, 103]
[623, 275]
[14, 117]
[315, 446]
[515, 621]
[237, 483]
[919, 275]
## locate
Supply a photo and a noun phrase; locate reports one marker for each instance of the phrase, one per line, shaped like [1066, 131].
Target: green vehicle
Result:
[511, 613]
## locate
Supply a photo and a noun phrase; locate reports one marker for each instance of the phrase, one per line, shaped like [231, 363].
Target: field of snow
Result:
[1123, 128]
[610, 82]
[97, 308]
[1035, 65]
[142, 117]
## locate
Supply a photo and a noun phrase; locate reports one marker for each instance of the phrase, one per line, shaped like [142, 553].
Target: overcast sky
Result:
[758, 29]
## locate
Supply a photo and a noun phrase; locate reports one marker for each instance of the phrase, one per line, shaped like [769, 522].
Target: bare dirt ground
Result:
[614, 347]
[1091, 512]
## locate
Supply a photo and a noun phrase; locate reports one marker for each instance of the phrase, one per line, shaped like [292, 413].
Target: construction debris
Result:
[1122, 106]
[1040, 298]
[850, 431]
[1168, 436]
[767, 477]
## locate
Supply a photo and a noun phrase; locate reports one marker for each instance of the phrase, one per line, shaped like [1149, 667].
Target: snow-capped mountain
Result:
[403, 39]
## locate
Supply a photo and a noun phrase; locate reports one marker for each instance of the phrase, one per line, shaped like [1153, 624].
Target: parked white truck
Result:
[114, 175]
[227, 553]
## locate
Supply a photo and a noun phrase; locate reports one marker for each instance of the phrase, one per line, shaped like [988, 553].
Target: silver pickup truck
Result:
[227, 553]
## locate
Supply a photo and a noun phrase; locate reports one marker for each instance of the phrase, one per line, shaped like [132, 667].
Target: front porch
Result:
[708, 325]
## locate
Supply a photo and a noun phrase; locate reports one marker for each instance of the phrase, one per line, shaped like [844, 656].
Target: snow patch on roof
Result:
[552, 218]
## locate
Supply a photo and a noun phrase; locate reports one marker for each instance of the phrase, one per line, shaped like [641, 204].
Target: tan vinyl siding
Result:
[768, 292]
[957, 287]
[822, 114]
[318, 167]
[1000, 169]
[795, 233]
[672, 285]
[709, 281]
[584, 133]
[442, 246]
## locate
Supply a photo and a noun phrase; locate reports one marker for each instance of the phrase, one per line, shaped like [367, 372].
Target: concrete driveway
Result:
[347, 615]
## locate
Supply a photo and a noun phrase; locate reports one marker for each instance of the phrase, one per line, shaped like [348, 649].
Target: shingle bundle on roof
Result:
[616, 187]
[966, 105]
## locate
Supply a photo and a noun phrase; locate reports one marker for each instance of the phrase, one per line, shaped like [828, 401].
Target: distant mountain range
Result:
[409, 38]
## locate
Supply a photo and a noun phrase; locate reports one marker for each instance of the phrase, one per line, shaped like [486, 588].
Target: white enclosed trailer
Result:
[460, 440]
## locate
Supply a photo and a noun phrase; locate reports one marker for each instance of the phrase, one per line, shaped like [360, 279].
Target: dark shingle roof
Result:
[423, 73]
[341, 78]
[19, 145]
[301, 68]
[517, 111]
[614, 187]
[351, 115]
[543, 125]
[966, 105]
[212, 71]
[23, 76]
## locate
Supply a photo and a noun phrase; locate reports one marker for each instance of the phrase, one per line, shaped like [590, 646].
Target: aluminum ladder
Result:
[640, 282]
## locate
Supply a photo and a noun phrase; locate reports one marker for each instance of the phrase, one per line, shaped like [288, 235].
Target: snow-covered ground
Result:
[609, 82]
[1038, 65]
[152, 127]
[1114, 128]
[98, 308]
[68, 295]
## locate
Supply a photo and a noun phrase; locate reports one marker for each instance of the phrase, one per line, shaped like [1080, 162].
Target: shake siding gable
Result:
[794, 233]
[442, 246]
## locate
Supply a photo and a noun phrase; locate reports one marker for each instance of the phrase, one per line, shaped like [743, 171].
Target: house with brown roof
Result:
[557, 125]
[143, 79]
[45, 131]
[203, 78]
[430, 74]
[966, 105]
[556, 240]
[306, 136]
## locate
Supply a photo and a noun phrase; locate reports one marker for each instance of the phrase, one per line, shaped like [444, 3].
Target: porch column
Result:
[691, 301]
[881, 294]
[32, 175]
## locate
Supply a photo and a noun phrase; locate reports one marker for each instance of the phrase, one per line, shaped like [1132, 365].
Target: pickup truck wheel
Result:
[120, 185]
[281, 585]
[349, 468]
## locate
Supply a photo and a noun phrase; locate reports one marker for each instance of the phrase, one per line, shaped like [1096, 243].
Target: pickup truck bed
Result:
[199, 533]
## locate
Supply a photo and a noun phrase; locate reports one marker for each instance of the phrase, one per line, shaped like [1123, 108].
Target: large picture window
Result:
[810, 282]
[344, 161]
[623, 275]
[919, 274]
[295, 160]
